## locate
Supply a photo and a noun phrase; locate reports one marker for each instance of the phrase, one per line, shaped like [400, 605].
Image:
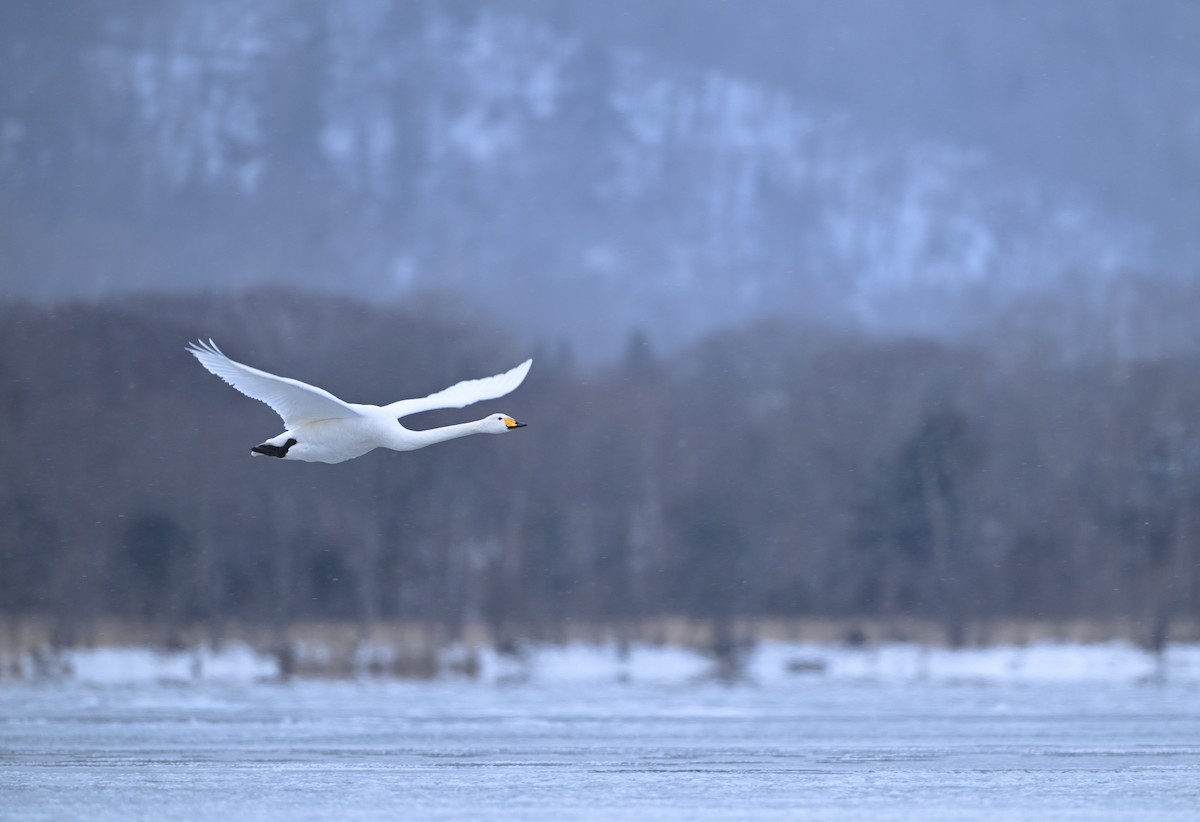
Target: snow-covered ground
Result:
[580, 663]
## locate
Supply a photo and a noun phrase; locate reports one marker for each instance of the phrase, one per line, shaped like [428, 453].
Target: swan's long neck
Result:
[408, 440]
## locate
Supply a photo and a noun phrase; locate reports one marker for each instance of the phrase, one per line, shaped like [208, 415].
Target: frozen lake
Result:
[809, 747]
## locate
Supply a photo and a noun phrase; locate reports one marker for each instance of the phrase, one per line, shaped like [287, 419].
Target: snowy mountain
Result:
[571, 184]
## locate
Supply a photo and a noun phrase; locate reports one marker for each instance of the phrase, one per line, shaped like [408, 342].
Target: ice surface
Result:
[586, 732]
[815, 747]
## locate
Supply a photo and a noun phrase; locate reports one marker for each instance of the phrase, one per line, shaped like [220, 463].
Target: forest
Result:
[1046, 468]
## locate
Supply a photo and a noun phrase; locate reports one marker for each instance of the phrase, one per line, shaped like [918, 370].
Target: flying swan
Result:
[322, 428]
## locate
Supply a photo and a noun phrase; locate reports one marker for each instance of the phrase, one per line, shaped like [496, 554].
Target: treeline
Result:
[769, 471]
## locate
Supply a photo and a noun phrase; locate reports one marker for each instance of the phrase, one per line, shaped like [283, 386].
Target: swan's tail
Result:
[269, 450]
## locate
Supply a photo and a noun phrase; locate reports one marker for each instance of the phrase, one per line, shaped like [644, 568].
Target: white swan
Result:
[322, 428]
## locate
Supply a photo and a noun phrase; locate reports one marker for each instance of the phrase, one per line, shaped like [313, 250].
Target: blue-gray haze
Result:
[580, 169]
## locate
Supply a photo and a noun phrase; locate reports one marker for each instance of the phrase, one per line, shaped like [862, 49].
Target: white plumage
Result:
[322, 428]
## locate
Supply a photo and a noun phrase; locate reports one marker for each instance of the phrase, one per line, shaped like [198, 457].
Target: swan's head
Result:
[500, 423]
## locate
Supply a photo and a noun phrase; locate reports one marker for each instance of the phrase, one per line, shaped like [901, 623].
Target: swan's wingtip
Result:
[520, 371]
[203, 347]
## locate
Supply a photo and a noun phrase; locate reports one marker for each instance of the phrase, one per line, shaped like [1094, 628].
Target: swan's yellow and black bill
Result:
[511, 423]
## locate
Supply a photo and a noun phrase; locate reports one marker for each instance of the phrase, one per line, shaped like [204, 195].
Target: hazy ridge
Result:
[575, 181]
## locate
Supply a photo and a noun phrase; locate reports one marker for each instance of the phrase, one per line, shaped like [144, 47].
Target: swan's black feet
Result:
[269, 450]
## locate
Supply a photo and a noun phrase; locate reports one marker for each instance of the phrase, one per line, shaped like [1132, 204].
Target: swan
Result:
[322, 428]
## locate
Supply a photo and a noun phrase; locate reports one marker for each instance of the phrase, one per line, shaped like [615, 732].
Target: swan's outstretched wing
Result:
[463, 393]
[297, 402]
